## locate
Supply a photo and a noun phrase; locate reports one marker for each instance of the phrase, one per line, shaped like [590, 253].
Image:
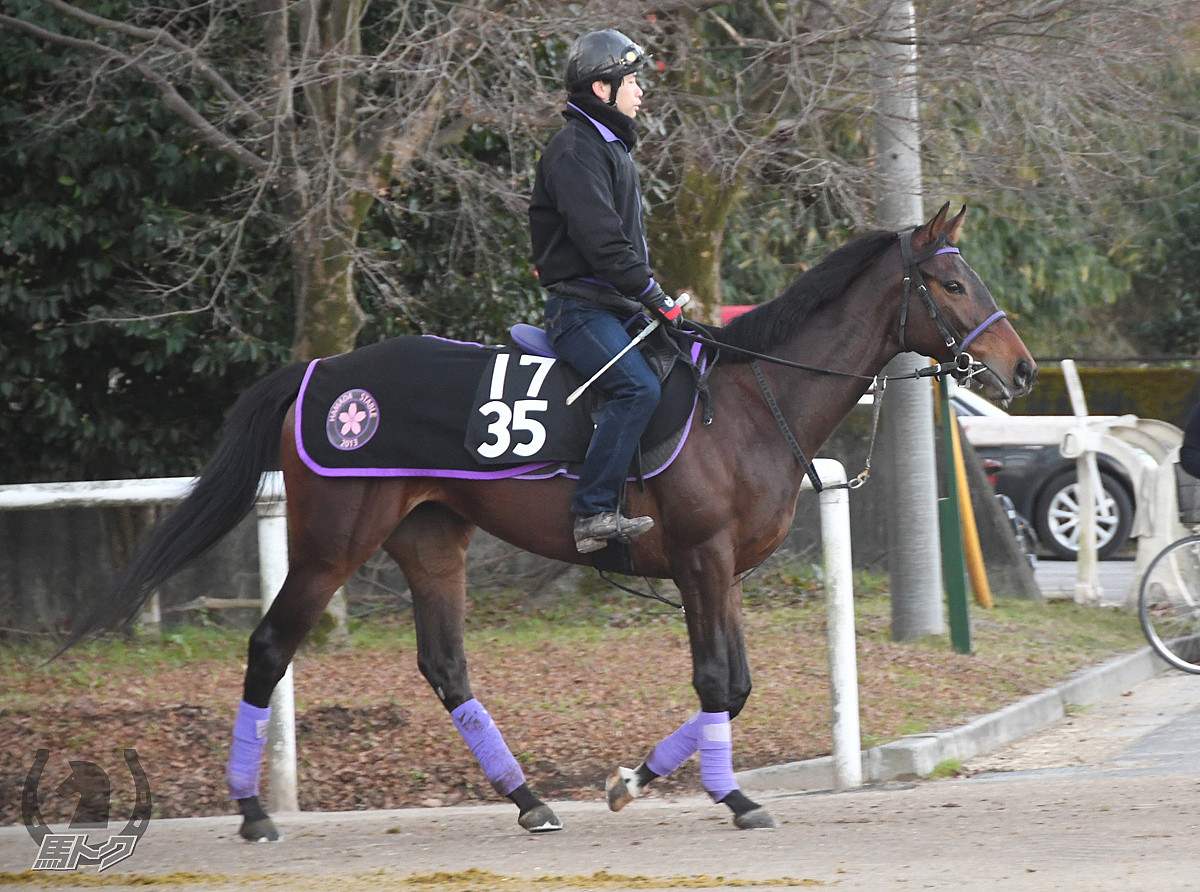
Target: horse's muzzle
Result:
[1025, 374]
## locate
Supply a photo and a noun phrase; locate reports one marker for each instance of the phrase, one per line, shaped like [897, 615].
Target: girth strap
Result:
[783, 426]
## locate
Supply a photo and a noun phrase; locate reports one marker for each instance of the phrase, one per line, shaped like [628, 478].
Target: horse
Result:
[720, 509]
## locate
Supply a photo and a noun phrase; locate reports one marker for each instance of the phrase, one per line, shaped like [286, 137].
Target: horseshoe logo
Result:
[91, 782]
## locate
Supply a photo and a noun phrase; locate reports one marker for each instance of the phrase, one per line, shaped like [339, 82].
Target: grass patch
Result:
[946, 768]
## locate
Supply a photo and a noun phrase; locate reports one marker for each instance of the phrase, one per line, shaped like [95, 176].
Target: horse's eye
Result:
[953, 287]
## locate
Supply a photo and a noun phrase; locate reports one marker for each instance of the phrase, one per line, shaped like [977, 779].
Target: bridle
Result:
[965, 365]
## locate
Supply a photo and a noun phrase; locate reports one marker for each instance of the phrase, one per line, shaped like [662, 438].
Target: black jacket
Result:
[585, 214]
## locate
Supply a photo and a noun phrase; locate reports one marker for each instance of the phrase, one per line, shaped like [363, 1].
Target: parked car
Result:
[1042, 486]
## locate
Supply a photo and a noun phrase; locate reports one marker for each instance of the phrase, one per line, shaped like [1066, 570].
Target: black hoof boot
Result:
[536, 816]
[747, 814]
[256, 825]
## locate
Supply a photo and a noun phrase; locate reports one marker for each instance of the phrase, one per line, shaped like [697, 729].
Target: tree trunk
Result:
[328, 316]
[687, 237]
[906, 429]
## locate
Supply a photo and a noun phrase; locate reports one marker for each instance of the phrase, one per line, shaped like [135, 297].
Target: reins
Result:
[963, 366]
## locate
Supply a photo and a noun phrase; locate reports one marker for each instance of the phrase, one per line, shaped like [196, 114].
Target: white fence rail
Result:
[272, 558]
[1146, 449]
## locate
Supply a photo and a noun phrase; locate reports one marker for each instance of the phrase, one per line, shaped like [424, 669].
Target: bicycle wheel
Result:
[1169, 604]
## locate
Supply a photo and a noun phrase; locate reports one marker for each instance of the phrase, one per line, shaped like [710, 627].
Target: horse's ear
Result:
[954, 227]
[931, 230]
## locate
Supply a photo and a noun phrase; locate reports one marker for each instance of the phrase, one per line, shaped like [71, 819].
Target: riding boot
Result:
[593, 533]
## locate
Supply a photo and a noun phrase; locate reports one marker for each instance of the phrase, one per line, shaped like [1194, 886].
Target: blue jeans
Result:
[586, 336]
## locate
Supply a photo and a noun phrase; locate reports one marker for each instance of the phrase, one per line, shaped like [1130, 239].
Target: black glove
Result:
[661, 306]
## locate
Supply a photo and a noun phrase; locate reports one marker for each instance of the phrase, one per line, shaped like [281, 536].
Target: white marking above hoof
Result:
[622, 788]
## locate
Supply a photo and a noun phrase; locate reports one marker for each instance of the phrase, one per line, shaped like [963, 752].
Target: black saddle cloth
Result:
[427, 406]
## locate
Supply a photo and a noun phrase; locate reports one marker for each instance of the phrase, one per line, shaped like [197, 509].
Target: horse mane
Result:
[775, 322]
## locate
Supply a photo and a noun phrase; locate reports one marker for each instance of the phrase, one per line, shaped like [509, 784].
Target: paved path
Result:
[1056, 579]
[1106, 799]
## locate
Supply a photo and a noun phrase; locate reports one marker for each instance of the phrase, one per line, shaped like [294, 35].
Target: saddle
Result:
[659, 353]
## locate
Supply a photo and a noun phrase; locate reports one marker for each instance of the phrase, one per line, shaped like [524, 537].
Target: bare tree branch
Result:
[158, 35]
[169, 95]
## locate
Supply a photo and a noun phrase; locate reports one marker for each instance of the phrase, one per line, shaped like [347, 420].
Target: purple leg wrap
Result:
[708, 732]
[488, 747]
[676, 748]
[249, 738]
[716, 755]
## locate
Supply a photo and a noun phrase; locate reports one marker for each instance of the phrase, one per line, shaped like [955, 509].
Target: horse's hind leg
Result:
[321, 556]
[430, 546]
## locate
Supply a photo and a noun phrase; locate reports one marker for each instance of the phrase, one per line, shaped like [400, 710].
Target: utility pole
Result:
[906, 428]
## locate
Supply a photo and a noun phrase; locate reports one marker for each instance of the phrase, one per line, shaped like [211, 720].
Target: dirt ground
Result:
[572, 700]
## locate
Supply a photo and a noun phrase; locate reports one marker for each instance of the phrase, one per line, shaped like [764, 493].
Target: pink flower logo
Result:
[352, 420]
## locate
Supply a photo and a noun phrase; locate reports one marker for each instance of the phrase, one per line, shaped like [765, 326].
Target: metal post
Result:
[953, 561]
[839, 607]
[281, 733]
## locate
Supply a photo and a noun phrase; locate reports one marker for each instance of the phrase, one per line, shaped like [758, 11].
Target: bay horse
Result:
[719, 509]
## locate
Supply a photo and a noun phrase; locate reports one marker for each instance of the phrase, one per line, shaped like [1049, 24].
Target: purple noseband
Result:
[999, 314]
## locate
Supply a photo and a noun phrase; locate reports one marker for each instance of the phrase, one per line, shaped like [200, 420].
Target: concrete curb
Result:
[916, 755]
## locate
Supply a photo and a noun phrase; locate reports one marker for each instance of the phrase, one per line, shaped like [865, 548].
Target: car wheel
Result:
[1057, 516]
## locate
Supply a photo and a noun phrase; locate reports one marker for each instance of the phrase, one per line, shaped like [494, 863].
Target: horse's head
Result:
[949, 314]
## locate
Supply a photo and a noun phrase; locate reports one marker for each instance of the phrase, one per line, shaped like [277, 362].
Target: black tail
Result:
[224, 494]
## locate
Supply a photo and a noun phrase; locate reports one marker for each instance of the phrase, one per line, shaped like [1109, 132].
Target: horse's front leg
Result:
[431, 546]
[721, 677]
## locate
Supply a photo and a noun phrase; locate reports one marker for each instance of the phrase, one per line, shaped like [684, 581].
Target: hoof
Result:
[256, 826]
[262, 830]
[756, 819]
[540, 820]
[622, 788]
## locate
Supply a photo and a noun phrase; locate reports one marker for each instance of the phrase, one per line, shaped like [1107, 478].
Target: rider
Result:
[589, 246]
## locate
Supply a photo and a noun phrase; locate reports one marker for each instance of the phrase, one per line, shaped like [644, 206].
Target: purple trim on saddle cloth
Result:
[245, 756]
[716, 755]
[523, 472]
[488, 747]
[395, 472]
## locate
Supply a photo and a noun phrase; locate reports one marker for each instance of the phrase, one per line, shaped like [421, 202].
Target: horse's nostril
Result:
[1024, 374]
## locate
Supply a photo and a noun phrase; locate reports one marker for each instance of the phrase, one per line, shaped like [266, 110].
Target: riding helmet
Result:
[601, 56]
